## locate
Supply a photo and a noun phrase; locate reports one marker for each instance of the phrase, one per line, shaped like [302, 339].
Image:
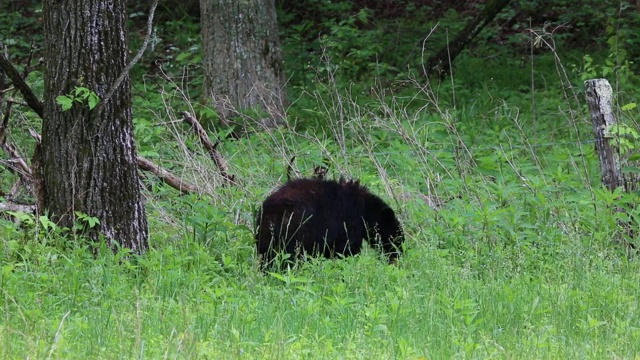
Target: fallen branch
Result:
[210, 146]
[17, 207]
[166, 176]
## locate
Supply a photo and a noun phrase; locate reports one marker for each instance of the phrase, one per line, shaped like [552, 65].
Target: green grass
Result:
[180, 301]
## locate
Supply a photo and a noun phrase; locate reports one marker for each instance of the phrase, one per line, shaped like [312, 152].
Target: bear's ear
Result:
[321, 171]
[291, 172]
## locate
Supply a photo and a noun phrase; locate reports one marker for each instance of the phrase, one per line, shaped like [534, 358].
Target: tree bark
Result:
[243, 59]
[440, 63]
[88, 160]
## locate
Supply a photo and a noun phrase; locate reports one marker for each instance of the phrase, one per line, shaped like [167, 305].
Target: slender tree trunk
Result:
[87, 159]
[440, 62]
[243, 59]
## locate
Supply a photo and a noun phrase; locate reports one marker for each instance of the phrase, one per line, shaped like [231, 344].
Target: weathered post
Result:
[599, 98]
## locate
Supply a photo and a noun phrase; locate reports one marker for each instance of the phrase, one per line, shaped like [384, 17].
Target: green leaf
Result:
[82, 92]
[46, 223]
[93, 100]
[182, 56]
[90, 220]
[278, 276]
[629, 106]
[65, 102]
[634, 157]
[93, 221]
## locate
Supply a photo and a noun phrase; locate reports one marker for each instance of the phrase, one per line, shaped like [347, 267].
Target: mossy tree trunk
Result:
[243, 60]
[87, 157]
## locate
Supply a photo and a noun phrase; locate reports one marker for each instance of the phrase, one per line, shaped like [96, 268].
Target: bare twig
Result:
[166, 176]
[210, 146]
[35, 135]
[16, 163]
[27, 67]
[132, 63]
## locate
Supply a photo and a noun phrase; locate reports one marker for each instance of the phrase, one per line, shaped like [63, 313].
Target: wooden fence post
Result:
[599, 98]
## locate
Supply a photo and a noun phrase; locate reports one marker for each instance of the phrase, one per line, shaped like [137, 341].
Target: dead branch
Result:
[35, 135]
[210, 146]
[164, 175]
[17, 207]
[16, 163]
[28, 95]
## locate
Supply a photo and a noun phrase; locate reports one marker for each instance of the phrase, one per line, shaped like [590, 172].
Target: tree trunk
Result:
[87, 158]
[243, 59]
[440, 63]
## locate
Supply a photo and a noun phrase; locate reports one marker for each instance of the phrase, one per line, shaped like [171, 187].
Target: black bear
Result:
[325, 217]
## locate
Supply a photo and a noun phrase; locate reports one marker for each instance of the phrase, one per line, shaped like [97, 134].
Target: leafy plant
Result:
[84, 221]
[80, 95]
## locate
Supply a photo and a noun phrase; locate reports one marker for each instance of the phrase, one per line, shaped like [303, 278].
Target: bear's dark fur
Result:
[325, 217]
